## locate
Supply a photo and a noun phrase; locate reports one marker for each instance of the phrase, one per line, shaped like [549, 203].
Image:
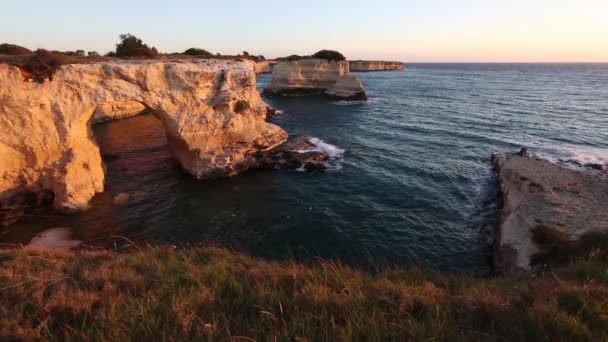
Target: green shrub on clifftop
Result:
[330, 55]
[198, 52]
[131, 46]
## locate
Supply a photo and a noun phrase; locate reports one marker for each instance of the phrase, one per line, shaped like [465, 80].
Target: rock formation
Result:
[211, 110]
[261, 67]
[361, 66]
[540, 193]
[310, 76]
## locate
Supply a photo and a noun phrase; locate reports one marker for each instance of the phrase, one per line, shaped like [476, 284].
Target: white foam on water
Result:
[321, 146]
[576, 154]
[279, 111]
[335, 153]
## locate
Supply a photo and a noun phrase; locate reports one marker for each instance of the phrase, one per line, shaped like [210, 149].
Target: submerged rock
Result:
[211, 110]
[315, 76]
[538, 193]
[121, 199]
[55, 238]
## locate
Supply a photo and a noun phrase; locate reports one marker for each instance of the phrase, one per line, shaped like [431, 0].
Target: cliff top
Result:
[42, 64]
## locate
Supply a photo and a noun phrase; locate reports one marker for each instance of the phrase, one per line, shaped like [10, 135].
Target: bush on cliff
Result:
[198, 52]
[330, 55]
[14, 50]
[41, 65]
[131, 46]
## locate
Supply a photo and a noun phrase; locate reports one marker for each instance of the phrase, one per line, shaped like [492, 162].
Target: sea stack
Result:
[315, 76]
[543, 198]
[211, 110]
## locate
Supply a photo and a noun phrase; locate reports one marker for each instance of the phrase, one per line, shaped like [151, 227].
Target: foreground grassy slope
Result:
[215, 294]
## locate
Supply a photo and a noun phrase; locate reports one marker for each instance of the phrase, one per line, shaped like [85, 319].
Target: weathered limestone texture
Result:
[211, 110]
[309, 76]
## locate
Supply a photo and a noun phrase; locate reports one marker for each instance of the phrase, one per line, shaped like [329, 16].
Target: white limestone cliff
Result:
[362, 66]
[211, 110]
[308, 76]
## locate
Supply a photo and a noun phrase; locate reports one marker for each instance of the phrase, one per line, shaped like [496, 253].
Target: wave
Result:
[335, 153]
[578, 155]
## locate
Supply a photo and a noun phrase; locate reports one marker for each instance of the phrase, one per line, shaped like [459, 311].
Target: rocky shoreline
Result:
[541, 197]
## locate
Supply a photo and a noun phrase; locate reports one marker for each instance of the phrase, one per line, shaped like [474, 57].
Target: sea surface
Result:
[410, 182]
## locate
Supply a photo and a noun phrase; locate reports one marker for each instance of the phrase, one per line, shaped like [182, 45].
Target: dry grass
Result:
[162, 294]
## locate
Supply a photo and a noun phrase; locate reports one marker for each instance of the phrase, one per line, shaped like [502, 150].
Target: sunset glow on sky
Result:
[424, 31]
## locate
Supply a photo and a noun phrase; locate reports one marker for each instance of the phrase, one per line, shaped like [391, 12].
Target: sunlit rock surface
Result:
[211, 110]
[309, 76]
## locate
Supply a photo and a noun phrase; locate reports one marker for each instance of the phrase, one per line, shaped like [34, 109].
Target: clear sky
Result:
[406, 30]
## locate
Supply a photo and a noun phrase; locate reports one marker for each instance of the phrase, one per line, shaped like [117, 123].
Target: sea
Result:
[409, 184]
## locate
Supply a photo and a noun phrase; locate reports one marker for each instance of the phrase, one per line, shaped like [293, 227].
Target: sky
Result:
[404, 30]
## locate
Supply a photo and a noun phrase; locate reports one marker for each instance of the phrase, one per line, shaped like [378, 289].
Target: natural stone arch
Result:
[46, 140]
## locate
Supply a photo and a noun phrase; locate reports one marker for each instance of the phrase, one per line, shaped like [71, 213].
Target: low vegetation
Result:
[198, 52]
[330, 55]
[131, 46]
[215, 294]
[13, 50]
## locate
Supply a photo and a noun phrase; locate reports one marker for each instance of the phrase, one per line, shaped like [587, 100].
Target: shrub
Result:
[93, 54]
[330, 55]
[14, 50]
[131, 46]
[198, 52]
[42, 65]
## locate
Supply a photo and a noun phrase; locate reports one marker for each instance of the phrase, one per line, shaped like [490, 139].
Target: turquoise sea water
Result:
[413, 185]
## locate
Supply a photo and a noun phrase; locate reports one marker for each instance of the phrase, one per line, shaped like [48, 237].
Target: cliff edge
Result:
[541, 196]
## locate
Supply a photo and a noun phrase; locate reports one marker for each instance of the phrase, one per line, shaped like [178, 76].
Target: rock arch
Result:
[46, 140]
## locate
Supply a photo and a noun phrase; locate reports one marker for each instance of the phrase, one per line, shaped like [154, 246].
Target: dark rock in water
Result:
[296, 153]
[601, 167]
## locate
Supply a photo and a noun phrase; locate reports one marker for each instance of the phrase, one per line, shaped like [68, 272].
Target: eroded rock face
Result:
[363, 66]
[309, 76]
[211, 110]
[537, 192]
[117, 110]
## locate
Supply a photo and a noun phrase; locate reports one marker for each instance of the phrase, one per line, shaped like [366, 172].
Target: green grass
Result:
[164, 294]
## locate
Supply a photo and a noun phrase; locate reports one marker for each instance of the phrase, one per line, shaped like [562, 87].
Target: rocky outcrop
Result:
[347, 88]
[363, 66]
[538, 193]
[264, 67]
[211, 110]
[310, 76]
[260, 67]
